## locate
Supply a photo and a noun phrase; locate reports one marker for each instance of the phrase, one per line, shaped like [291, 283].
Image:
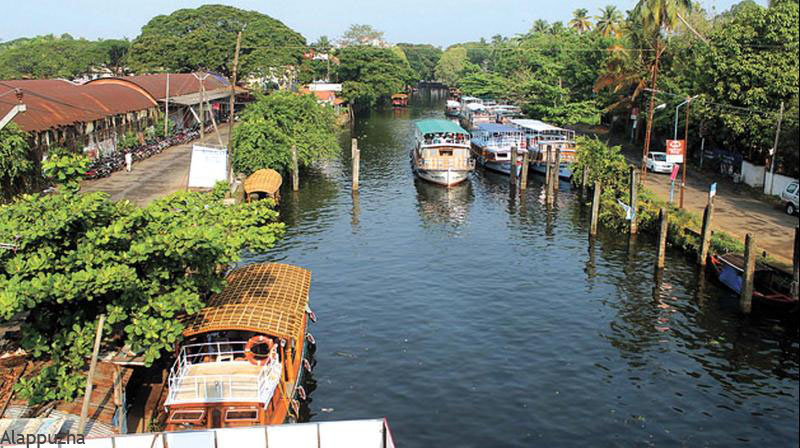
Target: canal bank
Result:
[472, 317]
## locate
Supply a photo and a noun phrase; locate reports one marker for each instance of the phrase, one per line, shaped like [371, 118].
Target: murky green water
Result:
[470, 318]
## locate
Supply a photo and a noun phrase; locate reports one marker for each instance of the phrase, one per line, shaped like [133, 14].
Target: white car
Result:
[657, 162]
[789, 198]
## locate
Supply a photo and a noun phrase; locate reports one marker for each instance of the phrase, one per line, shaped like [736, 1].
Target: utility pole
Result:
[166, 108]
[232, 103]
[774, 153]
[685, 150]
[651, 109]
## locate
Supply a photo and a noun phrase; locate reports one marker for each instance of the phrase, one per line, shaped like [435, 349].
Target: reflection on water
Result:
[474, 317]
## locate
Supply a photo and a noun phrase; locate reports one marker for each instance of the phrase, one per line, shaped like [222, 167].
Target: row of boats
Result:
[445, 153]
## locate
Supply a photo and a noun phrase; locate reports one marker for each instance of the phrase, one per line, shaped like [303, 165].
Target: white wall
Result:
[781, 182]
[753, 175]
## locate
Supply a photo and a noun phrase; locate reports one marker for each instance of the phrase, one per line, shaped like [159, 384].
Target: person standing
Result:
[128, 161]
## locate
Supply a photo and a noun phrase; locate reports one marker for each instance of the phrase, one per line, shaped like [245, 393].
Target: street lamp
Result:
[688, 100]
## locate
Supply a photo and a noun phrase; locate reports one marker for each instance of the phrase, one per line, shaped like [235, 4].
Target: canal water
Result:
[472, 318]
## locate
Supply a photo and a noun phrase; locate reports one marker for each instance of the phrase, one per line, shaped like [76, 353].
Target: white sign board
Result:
[208, 166]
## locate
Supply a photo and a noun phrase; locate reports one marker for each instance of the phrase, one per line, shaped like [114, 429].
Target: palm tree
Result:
[658, 17]
[540, 26]
[609, 20]
[580, 20]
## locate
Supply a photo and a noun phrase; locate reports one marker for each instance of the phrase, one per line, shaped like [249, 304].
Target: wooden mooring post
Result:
[662, 238]
[746, 297]
[705, 241]
[634, 199]
[295, 170]
[356, 156]
[512, 172]
[595, 209]
[523, 182]
[556, 171]
[796, 263]
[584, 182]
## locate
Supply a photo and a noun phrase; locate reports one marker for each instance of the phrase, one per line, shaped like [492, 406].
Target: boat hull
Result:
[447, 178]
[564, 173]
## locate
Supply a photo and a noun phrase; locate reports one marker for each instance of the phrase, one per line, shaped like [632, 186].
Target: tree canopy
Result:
[205, 38]
[274, 123]
[370, 75]
[361, 34]
[422, 58]
[140, 267]
[62, 56]
[454, 65]
[17, 169]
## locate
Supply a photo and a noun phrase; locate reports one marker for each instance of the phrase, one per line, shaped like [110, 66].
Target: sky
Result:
[438, 22]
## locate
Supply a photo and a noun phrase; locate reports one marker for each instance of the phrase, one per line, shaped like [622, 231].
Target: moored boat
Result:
[264, 183]
[492, 144]
[728, 270]
[400, 100]
[452, 108]
[243, 357]
[540, 138]
[441, 153]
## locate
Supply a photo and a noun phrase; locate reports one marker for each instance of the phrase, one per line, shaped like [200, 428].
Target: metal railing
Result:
[185, 387]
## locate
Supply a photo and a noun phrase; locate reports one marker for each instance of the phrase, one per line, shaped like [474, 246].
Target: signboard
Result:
[712, 190]
[209, 165]
[675, 151]
[675, 169]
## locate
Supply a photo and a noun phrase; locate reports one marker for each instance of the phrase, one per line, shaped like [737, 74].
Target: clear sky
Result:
[439, 22]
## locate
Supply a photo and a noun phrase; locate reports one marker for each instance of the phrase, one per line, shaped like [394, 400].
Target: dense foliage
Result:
[62, 56]
[422, 58]
[274, 123]
[370, 75]
[454, 65]
[141, 267]
[16, 167]
[204, 39]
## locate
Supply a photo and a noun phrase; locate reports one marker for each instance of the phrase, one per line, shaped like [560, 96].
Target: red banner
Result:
[676, 150]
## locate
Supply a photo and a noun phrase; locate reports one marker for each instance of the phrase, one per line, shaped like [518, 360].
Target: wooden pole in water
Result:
[512, 174]
[523, 183]
[746, 297]
[295, 170]
[634, 199]
[87, 394]
[705, 241]
[547, 170]
[796, 263]
[595, 209]
[356, 156]
[662, 238]
[556, 170]
[584, 181]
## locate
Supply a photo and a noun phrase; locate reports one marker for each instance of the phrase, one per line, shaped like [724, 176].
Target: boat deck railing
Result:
[217, 372]
[446, 163]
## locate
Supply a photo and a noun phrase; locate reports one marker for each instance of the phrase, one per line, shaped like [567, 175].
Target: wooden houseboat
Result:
[473, 113]
[767, 294]
[264, 183]
[400, 100]
[243, 357]
[492, 144]
[441, 154]
[540, 138]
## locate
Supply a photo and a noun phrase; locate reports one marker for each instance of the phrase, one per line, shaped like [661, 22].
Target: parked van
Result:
[789, 198]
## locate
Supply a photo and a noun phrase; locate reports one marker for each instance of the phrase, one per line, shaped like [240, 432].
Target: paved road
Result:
[154, 177]
[736, 210]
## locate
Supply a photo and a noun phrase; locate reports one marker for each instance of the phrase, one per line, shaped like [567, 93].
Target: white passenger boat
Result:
[492, 144]
[453, 108]
[541, 137]
[474, 112]
[441, 154]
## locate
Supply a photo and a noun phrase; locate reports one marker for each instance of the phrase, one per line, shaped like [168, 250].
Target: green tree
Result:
[580, 21]
[609, 22]
[453, 65]
[360, 34]
[540, 26]
[82, 255]
[51, 56]
[274, 123]
[422, 58]
[204, 38]
[65, 168]
[370, 75]
[484, 84]
[17, 169]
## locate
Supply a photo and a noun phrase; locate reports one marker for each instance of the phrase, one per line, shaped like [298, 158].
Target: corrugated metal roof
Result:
[53, 103]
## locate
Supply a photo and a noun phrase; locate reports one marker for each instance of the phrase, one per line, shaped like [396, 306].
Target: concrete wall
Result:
[753, 175]
[780, 184]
